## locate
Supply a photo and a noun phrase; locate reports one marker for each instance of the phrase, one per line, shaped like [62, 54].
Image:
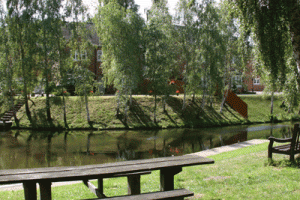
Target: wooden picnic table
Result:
[168, 166]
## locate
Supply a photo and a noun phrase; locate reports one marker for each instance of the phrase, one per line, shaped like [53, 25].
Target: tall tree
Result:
[23, 28]
[236, 49]
[49, 15]
[159, 54]
[7, 68]
[274, 24]
[63, 60]
[81, 50]
[120, 34]
[210, 46]
[187, 41]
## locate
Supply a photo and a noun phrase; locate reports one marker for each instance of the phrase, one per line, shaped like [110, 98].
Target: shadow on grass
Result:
[193, 114]
[39, 119]
[284, 163]
[138, 116]
[170, 118]
[225, 106]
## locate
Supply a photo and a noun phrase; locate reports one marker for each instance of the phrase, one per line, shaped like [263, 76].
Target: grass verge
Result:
[103, 113]
[241, 174]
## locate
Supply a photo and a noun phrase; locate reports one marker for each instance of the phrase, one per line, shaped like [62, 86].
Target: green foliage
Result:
[269, 21]
[159, 56]
[200, 44]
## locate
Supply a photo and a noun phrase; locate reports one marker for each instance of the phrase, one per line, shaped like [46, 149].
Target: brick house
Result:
[95, 64]
[249, 82]
[253, 83]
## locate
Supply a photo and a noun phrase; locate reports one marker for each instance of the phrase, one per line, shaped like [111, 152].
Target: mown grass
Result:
[103, 113]
[241, 174]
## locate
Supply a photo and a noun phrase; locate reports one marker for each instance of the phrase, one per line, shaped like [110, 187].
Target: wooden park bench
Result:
[288, 149]
[168, 166]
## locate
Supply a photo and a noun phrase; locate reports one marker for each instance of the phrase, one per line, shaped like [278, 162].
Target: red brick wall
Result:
[249, 80]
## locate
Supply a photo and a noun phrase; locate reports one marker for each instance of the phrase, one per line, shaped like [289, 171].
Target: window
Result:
[237, 80]
[75, 56]
[83, 55]
[256, 81]
[99, 55]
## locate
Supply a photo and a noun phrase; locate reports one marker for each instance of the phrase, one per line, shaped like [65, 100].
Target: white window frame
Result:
[237, 79]
[83, 55]
[256, 81]
[99, 55]
[75, 56]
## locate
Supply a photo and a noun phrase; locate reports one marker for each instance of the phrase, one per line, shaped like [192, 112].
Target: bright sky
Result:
[144, 4]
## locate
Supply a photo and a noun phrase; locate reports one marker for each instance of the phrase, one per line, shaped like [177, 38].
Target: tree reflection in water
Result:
[31, 149]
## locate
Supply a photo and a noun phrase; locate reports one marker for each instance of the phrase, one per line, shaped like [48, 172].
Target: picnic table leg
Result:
[97, 191]
[30, 190]
[134, 184]
[100, 186]
[45, 190]
[167, 178]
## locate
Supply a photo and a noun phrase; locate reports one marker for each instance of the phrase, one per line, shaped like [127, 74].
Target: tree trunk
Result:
[118, 104]
[64, 108]
[223, 100]
[130, 99]
[184, 97]
[47, 99]
[203, 99]
[211, 100]
[46, 77]
[61, 74]
[24, 79]
[12, 101]
[164, 103]
[272, 99]
[154, 113]
[87, 105]
[193, 98]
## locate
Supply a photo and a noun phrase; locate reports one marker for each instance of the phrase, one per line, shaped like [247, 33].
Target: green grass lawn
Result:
[103, 110]
[241, 174]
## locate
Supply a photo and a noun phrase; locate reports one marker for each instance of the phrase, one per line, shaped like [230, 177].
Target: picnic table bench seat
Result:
[177, 194]
[288, 149]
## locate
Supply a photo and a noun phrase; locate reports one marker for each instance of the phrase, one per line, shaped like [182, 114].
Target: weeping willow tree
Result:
[276, 28]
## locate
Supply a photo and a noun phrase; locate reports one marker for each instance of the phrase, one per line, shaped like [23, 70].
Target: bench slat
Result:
[154, 195]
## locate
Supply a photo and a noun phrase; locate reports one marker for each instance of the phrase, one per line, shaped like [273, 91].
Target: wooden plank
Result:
[102, 170]
[45, 190]
[154, 195]
[30, 190]
[132, 162]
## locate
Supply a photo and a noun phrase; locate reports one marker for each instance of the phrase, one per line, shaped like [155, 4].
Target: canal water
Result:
[32, 149]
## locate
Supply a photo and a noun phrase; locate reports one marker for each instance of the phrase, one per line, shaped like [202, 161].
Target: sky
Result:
[144, 4]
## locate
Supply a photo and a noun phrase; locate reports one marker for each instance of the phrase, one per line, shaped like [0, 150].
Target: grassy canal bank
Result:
[103, 110]
[241, 174]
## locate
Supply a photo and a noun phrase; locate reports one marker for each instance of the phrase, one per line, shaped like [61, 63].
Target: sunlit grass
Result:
[241, 174]
[103, 113]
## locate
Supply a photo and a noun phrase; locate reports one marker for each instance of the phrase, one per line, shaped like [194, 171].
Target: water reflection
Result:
[29, 149]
